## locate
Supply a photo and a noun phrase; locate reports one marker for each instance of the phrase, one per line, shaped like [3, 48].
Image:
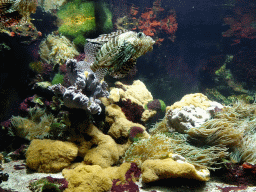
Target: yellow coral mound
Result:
[105, 153]
[153, 170]
[50, 156]
[93, 178]
[197, 99]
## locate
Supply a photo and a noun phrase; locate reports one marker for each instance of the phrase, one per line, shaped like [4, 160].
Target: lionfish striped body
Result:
[116, 53]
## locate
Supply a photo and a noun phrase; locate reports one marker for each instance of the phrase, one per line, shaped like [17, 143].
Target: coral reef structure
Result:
[119, 125]
[137, 93]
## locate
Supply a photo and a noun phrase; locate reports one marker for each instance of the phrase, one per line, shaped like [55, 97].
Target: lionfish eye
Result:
[140, 34]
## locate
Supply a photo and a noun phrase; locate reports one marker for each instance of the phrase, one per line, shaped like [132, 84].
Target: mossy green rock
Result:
[78, 20]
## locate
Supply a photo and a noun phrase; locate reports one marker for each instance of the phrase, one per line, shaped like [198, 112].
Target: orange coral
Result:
[149, 23]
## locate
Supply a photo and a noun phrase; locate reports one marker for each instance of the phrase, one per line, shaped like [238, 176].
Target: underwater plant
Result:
[131, 176]
[79, 20]
[48, 184]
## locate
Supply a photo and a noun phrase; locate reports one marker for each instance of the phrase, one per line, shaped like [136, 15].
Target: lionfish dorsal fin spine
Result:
[107, 37]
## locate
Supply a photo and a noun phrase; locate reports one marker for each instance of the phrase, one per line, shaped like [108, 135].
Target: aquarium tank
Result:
[125, 95]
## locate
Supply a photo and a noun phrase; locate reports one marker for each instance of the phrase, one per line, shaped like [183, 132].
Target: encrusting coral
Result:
[134, 95]
[119, 125]
[105, 151]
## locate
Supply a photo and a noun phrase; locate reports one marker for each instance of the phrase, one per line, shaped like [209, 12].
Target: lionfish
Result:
[116, 53]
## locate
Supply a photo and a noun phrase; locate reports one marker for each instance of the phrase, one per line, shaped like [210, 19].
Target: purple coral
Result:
[135, 132]
[156, 104]
[241, 175]
[129, 184]
[61, 181]
[24, 106]
[132, 111]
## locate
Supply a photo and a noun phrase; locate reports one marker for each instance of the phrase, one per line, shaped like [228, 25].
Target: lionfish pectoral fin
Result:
[124, 70]
[90, 50]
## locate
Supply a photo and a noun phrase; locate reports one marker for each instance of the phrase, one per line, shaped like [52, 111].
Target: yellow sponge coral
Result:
[93, 178]
[50, 156]
[105, 153]
[196, 99]
[153, 170]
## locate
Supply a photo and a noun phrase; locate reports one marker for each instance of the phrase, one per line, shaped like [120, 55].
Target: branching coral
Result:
[149, 22]
[241, 25]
